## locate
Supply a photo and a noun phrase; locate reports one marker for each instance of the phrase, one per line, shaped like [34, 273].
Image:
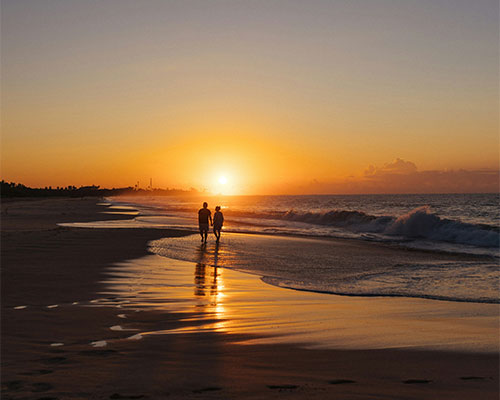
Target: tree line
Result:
[12, 189]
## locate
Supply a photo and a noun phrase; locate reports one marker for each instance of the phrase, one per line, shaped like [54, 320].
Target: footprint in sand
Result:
[207, 389]
[417, 381]
[12, 385]
[473, 378]
[340, 381]
[38, 372]
[55, 360]
[282, 387]
[124, 396]
[41, 387]
[98, 353]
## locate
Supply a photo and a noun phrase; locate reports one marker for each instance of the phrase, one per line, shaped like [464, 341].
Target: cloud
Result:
[398, 166]
[402, 176]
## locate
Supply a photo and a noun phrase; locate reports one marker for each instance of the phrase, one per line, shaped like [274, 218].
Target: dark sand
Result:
[44, 265]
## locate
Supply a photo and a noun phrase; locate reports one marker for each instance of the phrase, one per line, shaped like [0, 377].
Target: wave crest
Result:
[419, 223]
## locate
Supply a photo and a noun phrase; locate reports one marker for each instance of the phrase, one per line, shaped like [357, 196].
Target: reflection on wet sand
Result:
[217, 299]
[205, 278]
[208, 285]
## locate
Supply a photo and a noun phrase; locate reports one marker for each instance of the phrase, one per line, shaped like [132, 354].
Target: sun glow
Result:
[223, 185]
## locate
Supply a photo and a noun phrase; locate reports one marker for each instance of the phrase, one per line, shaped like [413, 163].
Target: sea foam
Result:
[419, 223]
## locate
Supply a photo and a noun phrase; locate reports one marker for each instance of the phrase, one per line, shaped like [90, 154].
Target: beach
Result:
[93, 314]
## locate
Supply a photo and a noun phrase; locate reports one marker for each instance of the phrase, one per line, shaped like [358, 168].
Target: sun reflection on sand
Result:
[209, 298]
[209, 286]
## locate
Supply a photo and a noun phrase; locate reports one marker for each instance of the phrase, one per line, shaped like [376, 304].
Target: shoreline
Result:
[223, 300]
[39, 265]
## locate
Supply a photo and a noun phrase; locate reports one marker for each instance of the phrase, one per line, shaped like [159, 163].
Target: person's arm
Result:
[210, 216]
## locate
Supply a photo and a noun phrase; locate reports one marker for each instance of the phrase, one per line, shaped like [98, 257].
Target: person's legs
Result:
[203, 231]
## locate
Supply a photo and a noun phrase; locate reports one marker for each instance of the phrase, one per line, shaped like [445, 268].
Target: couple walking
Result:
[204, 215]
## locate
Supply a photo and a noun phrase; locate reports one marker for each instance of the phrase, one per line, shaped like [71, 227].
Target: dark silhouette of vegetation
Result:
[11, 189]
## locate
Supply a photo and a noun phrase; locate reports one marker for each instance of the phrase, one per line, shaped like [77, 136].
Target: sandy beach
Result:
[91, 314]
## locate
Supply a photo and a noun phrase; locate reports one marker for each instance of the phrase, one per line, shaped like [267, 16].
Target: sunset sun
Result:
[224, 185]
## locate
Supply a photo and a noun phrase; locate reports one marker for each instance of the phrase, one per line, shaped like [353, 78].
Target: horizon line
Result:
[194, 191]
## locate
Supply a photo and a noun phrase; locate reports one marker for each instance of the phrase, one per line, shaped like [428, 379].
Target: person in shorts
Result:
[218, 221]
[204, 215]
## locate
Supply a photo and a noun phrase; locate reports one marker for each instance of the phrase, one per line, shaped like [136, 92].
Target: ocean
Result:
[439, 246]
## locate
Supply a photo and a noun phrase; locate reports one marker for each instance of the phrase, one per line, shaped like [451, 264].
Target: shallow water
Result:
[467, 223]
[369, 264]
[226, 301]
[344, 266]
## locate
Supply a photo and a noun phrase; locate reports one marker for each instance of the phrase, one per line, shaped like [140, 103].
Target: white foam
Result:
[122, 316]
[56, 344]
[53, 306]
[135, 337]
[74, 303]
[116, 328]
[120, 328]
[20, 307]
[99, 343]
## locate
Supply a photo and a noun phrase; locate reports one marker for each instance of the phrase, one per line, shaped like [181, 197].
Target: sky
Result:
[338, 96]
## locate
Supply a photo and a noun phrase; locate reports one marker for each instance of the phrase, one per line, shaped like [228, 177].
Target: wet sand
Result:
[200, 353]
[233, 302]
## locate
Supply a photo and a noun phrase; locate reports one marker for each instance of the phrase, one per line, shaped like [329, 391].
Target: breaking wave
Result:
[419, 223]
[450, 223]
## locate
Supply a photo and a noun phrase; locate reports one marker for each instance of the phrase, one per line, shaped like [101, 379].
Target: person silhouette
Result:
[204, 215]
[218, 221]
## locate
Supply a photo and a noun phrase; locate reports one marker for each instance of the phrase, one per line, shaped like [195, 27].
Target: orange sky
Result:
[278, 99]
